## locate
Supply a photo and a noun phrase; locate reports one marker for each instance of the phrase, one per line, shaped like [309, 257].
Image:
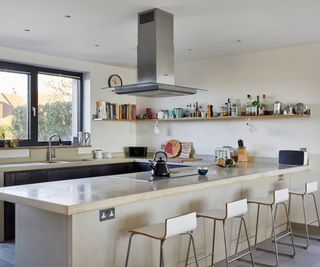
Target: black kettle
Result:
[159, 165]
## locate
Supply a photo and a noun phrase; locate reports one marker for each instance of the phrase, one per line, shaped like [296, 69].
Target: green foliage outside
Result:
[55, 117]
[5, 130]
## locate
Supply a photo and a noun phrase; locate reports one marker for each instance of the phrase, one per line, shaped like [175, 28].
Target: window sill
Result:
[40, 147]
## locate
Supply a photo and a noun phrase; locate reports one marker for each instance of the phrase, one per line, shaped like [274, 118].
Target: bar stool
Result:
[309, 189]
[180, 225]
[235, 209]
[278, 198]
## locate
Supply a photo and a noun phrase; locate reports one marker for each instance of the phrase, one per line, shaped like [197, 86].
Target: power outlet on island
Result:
[107, 214]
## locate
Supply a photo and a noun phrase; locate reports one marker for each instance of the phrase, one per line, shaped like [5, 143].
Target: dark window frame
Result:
[34, 70]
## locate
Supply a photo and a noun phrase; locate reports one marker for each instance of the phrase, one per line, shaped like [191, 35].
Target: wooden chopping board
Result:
[172, 148]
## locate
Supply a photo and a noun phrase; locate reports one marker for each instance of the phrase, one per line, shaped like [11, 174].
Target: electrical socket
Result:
[107, 214]
[280, 177]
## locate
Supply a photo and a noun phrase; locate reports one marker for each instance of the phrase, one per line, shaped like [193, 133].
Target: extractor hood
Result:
[155, 58]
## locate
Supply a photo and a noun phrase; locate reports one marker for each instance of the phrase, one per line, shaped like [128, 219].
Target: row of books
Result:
[112, 111]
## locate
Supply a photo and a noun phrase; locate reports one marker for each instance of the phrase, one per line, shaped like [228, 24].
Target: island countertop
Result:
[81, 195]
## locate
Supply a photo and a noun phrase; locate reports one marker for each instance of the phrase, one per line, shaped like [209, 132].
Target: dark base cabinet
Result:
[18, 178]
[58, 174]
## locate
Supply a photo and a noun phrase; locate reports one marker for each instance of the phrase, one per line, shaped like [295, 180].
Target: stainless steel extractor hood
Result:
[155, 58]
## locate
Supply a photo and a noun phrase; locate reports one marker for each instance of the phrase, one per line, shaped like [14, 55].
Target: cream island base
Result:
[58, 223]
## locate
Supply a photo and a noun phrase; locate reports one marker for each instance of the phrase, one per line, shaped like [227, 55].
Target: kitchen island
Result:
[61, 223]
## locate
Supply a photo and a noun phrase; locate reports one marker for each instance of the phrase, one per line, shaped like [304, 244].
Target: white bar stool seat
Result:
[235, 209]
[309, 189]
[279, 197]
[180, 225]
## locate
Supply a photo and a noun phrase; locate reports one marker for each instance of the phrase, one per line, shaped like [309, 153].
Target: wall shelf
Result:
[222, 118]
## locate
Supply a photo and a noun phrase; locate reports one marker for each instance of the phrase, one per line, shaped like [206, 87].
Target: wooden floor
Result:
[303, 258]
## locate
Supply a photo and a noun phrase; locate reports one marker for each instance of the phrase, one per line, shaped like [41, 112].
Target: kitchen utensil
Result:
[299, 108]
[97, 154]
[178, 112]
[170, 114]
[172, 148]
[203, 114]
[242, 154]
[222, 153]
[159, 165]
[276, 108]
[83, 138]
[202, 170]
[240, 143]
[160, 115]
[138, 151]
[185, 151]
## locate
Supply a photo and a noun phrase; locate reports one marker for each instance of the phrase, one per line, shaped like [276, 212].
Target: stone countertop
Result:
[25, 166]
[81, 195]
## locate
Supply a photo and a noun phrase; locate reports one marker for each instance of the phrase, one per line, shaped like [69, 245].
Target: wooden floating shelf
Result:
[217, 118]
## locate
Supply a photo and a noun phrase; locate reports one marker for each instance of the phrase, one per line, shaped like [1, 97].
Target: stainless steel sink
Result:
[26, 164]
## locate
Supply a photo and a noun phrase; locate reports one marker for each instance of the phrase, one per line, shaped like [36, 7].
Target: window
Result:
[38, 102]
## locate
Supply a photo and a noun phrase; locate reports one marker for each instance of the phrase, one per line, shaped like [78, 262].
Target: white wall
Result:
[110, 136]
[289, 75]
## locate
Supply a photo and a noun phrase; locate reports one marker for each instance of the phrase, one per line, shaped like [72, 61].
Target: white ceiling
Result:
[209, 27]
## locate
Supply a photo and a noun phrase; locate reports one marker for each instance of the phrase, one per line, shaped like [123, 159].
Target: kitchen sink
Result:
[26, 164]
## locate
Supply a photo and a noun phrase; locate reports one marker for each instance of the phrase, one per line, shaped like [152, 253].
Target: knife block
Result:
[242, 154]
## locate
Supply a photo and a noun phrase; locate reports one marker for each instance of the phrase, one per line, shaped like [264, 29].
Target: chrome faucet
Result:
[51, 150]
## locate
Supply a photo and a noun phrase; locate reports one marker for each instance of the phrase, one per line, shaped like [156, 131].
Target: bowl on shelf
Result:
[202, 170]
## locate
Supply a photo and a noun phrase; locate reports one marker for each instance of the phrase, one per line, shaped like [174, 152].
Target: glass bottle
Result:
[263, 105]
[249, 105]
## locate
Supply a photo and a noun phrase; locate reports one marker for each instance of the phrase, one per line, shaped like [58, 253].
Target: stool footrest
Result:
[296, 244]
[240, 256]
[283, 235]
[199, 258]
[310, 237]
[312, 222]
[281, 224]
[260, 263]
[272, 251]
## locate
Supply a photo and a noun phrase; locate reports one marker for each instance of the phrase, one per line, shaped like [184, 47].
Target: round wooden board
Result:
[172, 148]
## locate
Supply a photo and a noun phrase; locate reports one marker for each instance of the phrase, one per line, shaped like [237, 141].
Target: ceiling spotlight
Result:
[96, 45]
[26, 30]
[67, 16]
[238, 41]
[189, 49]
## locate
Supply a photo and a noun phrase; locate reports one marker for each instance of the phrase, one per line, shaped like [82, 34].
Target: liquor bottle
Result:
[249, 105]
[229, 107]
[255, 107]
[258, 105]
[263, 106]
[198, 114]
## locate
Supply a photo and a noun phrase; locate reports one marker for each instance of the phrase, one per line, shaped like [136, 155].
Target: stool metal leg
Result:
[257, 225]
[289, 211]
[225, 242]
[128, 250]
[188, 252]
[238, 238]
[305, 220]
[247, 236]
[316, 208]
[213, 241]
[191, 241]
[290, 229]
[161, 253]
[274, 236]
[194, 249]
[275, 220]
